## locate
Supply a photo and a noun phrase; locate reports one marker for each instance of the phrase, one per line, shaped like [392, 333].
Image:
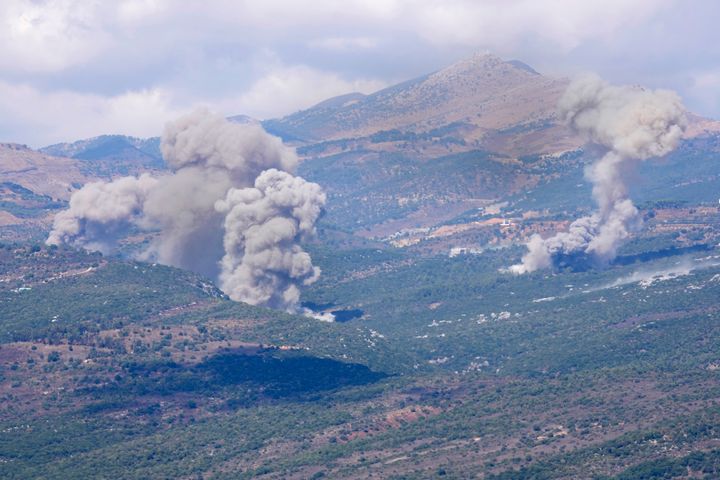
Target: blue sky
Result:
[71, 69]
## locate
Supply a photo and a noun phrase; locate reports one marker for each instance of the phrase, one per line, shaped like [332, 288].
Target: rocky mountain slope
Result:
[44, 174]
[33, 186]
[482, 101]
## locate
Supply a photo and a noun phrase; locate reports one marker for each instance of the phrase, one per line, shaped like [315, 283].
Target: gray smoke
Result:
[634, 124]
[209, 141]
[209, 155]
[263, 263]
[210, 158]
[100, 212]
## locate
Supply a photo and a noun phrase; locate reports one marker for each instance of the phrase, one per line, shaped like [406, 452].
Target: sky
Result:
[72, 69]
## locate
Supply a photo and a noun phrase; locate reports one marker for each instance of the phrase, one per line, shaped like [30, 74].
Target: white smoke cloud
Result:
[228, 210]
[208, 140]
[209, 155]
[99, 211]
[263, 262]
[634, 124]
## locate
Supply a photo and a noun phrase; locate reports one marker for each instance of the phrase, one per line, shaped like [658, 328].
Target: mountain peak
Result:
[485, 65]
[482, 60]
[481, 93]
[15, 146]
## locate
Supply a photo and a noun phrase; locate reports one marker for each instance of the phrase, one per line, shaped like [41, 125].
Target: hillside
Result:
[33, 187]
[43, 174]
[450, 370]
[109, 155]
[439, 364]
[423, 151]
[35, 184]
[445, 147]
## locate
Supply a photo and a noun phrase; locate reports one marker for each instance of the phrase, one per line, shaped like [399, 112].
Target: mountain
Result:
[435, 149]
[439, 365]
[33, 187]
[44, 174]
[483, 100]
[424, 151]
[244, 119]
[35, 184]
[442, 147]
[112, 154]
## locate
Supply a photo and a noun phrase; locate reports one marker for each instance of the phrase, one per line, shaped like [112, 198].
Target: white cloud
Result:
[48, 36]
[343, 43]
[52, 35]
[502, 25]
[137, 11]
[709, 79]
[478, 23]
[50, 117]
[705, 91]
[61, 116]
[284, 13]
[287, 89]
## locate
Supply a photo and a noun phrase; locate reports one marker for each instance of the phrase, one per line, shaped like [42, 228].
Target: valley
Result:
[444, 365]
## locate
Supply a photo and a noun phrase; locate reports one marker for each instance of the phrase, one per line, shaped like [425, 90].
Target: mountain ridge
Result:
[135, 154]
[487, 117]
[483, 93]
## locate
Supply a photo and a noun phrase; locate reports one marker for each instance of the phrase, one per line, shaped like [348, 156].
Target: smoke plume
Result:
[263, 263]
[99, 212]
[634, 124]
[202, 211]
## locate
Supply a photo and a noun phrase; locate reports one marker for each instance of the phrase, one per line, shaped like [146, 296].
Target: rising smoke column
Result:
[634, 124]
[208, 155]
[263, 262]
[210, 159]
